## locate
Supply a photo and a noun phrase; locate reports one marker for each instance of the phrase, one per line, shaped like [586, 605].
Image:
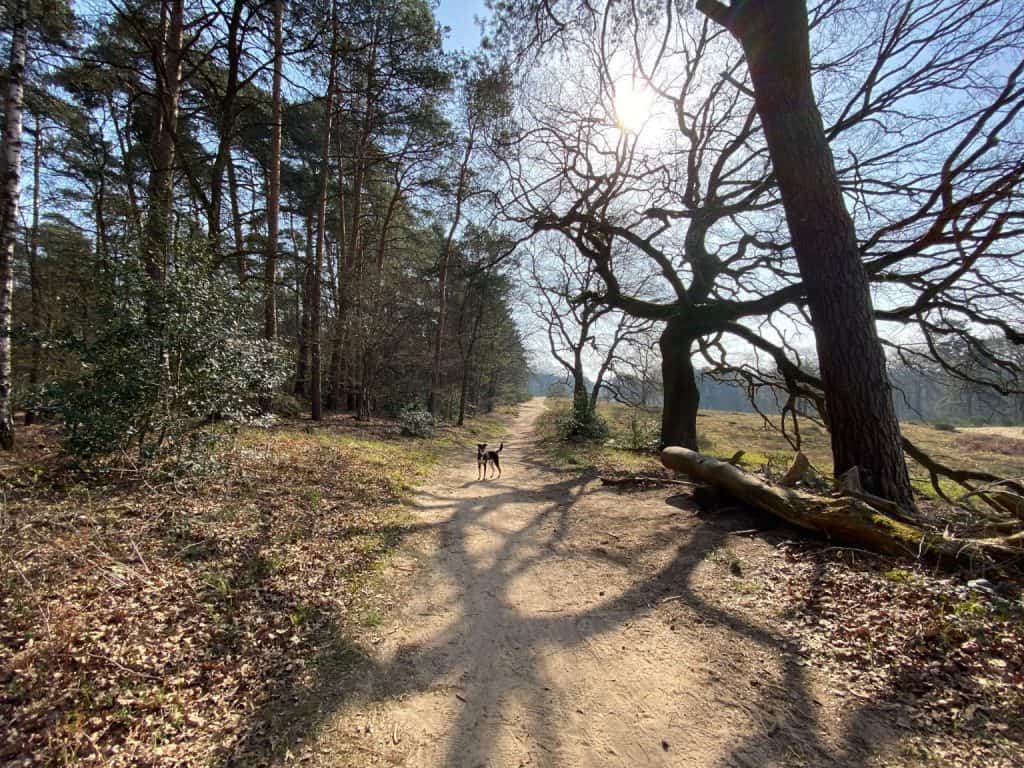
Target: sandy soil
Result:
[553, 622]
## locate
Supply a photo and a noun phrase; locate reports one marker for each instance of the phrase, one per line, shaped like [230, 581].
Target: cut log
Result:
[796, 472]
[846, 519]
[736, 458]
[1008, 500]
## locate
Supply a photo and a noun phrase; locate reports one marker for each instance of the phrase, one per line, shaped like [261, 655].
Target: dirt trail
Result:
[556, 623]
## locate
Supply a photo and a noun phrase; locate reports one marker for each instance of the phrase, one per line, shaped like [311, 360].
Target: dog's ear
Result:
[481, 446]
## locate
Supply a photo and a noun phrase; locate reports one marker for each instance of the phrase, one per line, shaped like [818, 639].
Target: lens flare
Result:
[632, 107]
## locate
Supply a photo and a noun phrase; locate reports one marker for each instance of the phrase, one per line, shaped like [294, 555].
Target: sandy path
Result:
[536, 633]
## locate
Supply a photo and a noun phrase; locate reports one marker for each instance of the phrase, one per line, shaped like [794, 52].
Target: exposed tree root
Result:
[963, 477]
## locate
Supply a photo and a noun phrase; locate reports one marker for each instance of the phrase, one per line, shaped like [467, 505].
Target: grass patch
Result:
[727, 559]
[902, 576]
[747, 587]
[614, 453]
[722, 433]
[372, 618]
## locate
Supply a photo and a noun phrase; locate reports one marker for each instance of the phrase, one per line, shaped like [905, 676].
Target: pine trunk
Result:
[274, 182]
[315, 346]
[467, 362]
[462, 190]
[242, 261]
[858, 399]
[335, 372]
[336, 398]
[157, 235]
[35, 369]
[225, 126]
[302, 363]
[442, 316]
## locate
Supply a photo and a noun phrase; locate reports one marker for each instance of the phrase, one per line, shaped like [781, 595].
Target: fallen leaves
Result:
[161, 626]
[948, 657]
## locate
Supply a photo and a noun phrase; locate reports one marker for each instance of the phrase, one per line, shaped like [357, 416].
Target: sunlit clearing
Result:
[632, 107]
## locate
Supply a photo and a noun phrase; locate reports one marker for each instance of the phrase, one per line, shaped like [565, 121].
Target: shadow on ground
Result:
[343, 672]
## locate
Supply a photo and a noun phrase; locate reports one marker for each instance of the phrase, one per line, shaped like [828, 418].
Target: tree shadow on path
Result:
[488, 659]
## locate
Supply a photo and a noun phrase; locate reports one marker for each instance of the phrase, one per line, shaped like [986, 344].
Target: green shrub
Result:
[944, 427]
[416, 422]
[644, 431]
[582, 427]
[161, 366]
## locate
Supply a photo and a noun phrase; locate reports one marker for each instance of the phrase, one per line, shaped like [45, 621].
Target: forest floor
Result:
[341, 597]
[165, 615]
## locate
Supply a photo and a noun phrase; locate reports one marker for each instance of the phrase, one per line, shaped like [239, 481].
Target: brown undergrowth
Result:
[153, 620]
[1000, 444]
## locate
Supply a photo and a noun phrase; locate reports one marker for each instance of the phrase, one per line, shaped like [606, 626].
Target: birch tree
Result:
[10, 189]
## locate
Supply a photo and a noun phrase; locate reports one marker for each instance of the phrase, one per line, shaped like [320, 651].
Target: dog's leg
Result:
[497, 463]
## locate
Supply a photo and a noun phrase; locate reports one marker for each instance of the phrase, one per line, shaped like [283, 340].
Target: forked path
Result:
[552, 622]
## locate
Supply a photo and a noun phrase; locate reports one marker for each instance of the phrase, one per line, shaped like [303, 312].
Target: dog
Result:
[485, 457]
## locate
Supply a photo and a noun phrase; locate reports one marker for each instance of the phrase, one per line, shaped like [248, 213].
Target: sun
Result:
[633, 104]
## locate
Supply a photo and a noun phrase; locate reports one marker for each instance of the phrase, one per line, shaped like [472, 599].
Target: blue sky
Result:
[458, 14]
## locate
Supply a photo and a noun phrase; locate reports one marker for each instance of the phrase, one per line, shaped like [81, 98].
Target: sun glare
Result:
[632, 107]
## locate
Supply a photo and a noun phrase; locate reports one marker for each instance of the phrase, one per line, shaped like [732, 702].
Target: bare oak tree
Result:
[921, 111]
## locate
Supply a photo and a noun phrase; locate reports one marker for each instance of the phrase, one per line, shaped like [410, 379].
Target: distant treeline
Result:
[919, 396]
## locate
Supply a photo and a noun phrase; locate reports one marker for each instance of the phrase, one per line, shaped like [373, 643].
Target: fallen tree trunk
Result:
[847, 519]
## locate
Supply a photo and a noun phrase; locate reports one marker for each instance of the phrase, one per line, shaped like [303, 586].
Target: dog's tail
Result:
[499, 448]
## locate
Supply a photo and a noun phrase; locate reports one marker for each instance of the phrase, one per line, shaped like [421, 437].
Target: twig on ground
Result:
[642, 480]
[138, 554]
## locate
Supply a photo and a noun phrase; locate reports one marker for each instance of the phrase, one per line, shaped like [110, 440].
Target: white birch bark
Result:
[10, 191]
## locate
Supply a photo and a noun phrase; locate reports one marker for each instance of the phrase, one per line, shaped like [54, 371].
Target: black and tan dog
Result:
[485, 457]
